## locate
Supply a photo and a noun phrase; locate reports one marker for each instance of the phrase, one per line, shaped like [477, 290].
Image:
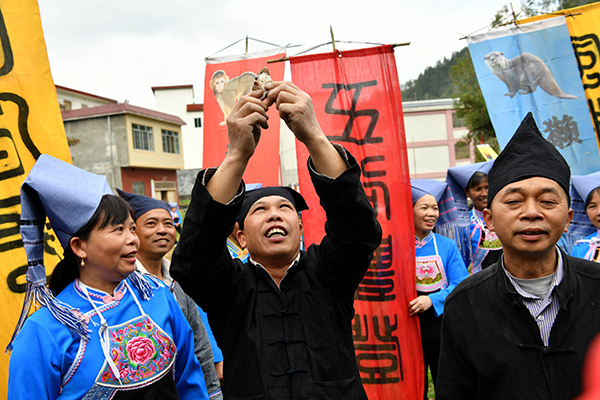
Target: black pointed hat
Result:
[528, 155]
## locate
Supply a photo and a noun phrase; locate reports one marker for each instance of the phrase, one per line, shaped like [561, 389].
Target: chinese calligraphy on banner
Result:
[226, 80]
[30, 124]
[357, 99]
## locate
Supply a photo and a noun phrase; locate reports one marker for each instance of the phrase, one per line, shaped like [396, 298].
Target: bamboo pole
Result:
[332, 37]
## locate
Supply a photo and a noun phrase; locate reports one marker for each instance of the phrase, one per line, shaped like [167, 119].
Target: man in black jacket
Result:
[520, 329]
[283, 318]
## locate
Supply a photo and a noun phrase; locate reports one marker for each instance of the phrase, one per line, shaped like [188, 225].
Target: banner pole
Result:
[332, 37]
[288, 58]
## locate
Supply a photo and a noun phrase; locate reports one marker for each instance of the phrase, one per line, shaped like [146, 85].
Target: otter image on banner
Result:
[523, 74]
[532, 67]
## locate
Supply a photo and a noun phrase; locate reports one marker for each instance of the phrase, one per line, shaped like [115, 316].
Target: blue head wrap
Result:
[69, 197]
[448, 221]
[458, 178]
[581, 187]
[142, 204]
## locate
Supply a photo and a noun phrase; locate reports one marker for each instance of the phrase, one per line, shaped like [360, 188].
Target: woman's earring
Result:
[82, 262]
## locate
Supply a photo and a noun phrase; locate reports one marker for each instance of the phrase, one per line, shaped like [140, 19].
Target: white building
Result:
[179, 101]
[433, 138]
[71, 99]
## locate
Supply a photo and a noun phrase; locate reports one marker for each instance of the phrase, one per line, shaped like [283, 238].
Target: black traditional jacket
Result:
[295, 341]
[492, 347]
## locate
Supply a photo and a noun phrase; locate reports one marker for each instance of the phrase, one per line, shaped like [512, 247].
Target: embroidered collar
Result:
[235, 250]
[421, 243]
[99, 295]
[596, 238]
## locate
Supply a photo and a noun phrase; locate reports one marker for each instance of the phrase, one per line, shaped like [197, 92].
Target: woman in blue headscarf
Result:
[585, 226]
[109, 332]
[471, 181]
[439, 265]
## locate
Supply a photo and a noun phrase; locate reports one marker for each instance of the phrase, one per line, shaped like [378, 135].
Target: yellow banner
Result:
[584, 28]
[30, 124]
[487, 151]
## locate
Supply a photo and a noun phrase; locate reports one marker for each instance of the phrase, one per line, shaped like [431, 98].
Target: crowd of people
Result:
[243, 311]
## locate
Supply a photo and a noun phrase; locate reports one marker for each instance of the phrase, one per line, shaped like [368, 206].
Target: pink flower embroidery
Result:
[140, 350]
[125, 372]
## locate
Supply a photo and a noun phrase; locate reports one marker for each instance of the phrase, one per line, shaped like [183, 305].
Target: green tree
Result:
[532, 8]
[434, 82]
[470, 105]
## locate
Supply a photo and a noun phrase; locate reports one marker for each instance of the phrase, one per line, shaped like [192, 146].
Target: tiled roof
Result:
[119, 108]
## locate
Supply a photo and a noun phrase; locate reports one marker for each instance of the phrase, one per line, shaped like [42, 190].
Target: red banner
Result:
[225, 82]
[356, 96]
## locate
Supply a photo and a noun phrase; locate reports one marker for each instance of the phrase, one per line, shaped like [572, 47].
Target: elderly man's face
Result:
[272, 230]
[529, 216]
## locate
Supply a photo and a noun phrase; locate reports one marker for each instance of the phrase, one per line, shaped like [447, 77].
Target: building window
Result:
[462, 149]
[198, 122]
[170, 141]
[143, 139]
[138, 188]
[65, 106]
[457, 122]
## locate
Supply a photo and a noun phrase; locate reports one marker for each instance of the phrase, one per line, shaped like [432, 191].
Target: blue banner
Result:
[532, 67]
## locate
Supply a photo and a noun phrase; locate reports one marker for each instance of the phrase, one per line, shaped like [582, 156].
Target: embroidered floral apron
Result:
[488, 242]
[593, 252]
[139, 357]
[431, 275]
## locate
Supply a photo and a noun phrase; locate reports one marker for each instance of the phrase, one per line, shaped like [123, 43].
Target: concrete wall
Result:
[185, 182]
[150, 177]
[100, 146]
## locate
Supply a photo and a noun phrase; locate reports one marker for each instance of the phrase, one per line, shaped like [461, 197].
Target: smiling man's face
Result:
[529, 216]
[156, 232]
[272, 231]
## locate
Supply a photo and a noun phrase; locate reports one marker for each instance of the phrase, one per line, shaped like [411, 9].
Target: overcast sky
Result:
[121, 48]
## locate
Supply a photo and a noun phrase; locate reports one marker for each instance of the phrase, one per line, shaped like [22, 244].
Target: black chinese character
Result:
[562, 133]
[353, 113]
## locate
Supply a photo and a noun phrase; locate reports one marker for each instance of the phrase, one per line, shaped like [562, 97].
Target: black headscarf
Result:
[252, 196]
[528, 155]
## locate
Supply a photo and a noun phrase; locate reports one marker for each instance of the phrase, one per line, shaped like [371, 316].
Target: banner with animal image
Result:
[357, 99]
[30, 124]
[226, 80]
[532, 67]
[585, 38]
